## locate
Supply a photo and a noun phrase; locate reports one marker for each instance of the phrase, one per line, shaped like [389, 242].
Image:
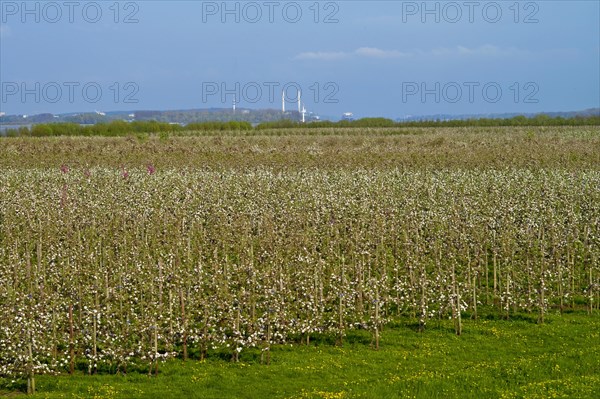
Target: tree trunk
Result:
[183, 325]
[71, 341]
[30, 370]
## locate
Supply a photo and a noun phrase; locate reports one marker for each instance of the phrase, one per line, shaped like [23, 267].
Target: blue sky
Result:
[372, 58]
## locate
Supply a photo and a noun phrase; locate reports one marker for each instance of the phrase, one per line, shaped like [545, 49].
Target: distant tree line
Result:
[122, 128]
[538, 120]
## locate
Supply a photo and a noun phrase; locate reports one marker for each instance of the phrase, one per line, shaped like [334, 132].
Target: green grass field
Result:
[417, 263]
[492, 359]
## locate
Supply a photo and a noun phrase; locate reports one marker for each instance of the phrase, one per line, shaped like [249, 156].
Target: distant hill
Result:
[171, 116]
[254, 116]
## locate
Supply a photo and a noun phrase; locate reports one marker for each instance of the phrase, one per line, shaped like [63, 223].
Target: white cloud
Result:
[321, 55]
[366, 52]
[374, 52]
[486, 50]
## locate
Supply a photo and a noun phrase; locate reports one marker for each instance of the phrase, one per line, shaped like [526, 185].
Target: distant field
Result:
[349, 148]
[404, 262]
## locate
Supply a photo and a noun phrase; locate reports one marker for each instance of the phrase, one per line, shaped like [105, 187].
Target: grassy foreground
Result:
[493, 359]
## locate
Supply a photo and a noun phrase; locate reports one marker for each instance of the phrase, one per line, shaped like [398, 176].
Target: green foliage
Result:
[218, 126]
[122, 128]
[539, 120]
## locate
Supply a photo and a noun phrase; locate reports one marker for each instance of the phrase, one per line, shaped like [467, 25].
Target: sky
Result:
[371, 58]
